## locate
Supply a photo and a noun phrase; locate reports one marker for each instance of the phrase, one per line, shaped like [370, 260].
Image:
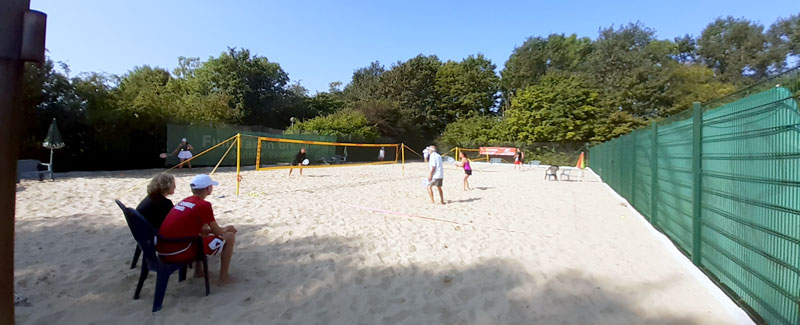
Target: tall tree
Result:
[365, 83]
[258, 87]
[736, 49]
[412, 85]
[538, 55]
[467, 86]
[631, 68]
[690, 83]
[345, 123]
[558, 108]
[686, 49]
[784, 37]
[143, 91]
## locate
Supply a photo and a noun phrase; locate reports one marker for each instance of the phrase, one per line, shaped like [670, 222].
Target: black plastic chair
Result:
[146, 238]
[136, 254]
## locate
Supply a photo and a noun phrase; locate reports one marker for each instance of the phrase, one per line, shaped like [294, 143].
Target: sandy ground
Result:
[363, 245]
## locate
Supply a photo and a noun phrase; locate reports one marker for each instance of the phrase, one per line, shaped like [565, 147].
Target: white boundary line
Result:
[736, 312]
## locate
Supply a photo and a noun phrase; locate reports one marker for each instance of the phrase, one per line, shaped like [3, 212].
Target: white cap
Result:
[183, 140]
[202, 181]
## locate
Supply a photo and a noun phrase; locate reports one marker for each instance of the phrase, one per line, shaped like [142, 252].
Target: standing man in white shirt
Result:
[426, 152]
[436, 174]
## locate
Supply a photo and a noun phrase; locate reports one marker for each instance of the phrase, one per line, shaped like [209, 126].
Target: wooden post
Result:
[12, 55]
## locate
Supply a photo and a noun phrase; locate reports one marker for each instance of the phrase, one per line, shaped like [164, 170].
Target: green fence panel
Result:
[748, 182]
[674, 182]
[642, 171]
[751, 201]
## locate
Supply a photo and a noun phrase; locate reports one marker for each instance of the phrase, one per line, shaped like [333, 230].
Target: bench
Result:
[495, 160]
[30, 168]
[534, 163]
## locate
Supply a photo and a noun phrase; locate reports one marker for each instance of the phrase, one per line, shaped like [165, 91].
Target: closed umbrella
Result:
[53, 140]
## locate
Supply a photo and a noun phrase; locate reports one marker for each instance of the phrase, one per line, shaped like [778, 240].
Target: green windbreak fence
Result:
[724, 184]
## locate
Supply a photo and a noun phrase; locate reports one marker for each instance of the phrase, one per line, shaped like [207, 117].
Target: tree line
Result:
[559, 88]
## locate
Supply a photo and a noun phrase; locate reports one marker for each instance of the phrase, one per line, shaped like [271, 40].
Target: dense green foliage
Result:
[558, 89]
[341, 124]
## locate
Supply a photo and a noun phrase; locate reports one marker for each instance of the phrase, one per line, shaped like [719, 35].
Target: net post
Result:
[403, 153]
[258, 154]
[238, 160]
[456, 157]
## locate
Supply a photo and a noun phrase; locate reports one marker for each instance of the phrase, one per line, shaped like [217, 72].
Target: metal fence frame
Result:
[722, 181]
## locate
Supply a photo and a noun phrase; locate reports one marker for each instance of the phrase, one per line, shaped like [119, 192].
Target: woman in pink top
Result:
[467, 169]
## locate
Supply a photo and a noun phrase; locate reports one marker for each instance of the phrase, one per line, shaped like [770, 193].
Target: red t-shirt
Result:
[186, 219]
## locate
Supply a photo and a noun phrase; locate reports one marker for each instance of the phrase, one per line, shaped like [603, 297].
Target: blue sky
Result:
[317, 42]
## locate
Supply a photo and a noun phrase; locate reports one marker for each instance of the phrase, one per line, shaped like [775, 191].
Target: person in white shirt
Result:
[381, 153]
[436, 174]
[426, 152]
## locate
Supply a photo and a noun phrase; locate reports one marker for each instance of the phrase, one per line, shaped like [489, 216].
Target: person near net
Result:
[184, 151]
[518, 158]
[425, 153]
[464, 162]
[194, 216]
[298, 161]
[436, 174]
[381, 153]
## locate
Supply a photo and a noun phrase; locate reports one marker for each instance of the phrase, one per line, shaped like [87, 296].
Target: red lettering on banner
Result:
[498, 151]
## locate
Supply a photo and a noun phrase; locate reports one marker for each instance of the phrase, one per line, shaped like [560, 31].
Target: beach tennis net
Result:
[276, 153]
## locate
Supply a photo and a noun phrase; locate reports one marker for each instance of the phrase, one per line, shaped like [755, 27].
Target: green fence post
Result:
[697, 156]
[633, 169]
[653, 171]
[586, 158]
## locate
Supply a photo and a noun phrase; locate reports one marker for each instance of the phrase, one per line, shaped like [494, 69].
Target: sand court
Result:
[364, 245]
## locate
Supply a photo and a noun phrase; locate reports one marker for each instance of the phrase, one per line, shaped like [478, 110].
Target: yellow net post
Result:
[457, 156]
[238, 160]
[403, 153]
[258, 155]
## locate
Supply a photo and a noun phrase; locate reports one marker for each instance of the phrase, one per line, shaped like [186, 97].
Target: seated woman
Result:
[156, 205]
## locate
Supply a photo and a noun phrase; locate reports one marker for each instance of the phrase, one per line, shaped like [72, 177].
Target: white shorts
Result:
[185, 154]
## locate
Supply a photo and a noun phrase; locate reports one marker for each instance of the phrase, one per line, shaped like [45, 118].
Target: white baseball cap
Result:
[183, 140]
[202, 181]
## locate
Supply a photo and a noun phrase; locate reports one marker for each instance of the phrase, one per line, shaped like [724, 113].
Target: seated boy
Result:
[189, 218]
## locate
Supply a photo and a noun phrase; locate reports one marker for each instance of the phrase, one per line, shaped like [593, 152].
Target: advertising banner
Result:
[498, 151]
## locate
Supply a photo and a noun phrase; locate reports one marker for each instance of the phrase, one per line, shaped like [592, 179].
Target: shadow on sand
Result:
[313, 279]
